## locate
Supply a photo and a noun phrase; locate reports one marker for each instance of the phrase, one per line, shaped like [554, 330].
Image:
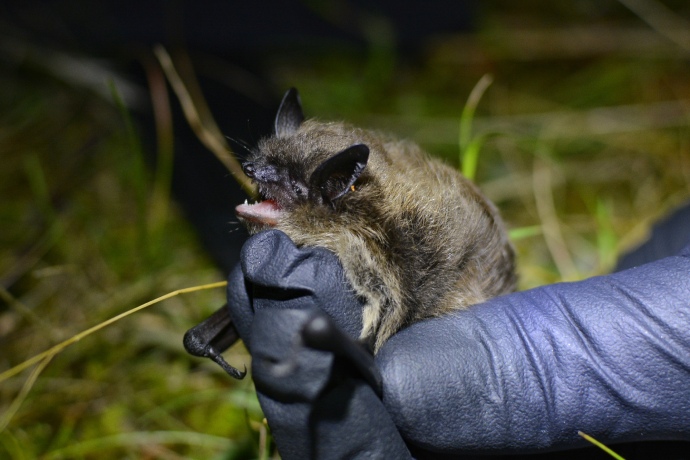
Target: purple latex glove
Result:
[609, 356]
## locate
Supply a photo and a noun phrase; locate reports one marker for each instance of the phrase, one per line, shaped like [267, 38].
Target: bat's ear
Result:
[334, 177]
[289, 115]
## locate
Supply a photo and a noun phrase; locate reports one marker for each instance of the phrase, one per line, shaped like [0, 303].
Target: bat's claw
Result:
[232, 371]
[213, 336]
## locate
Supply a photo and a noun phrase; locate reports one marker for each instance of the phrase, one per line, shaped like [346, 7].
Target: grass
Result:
[77, 250]
[600, 446]
[469, 144]
[581, 153]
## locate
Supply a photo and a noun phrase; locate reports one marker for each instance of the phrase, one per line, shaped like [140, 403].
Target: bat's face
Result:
[289, 175]
[281, 186]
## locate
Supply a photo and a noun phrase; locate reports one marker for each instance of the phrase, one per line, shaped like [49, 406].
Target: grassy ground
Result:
[586, 142]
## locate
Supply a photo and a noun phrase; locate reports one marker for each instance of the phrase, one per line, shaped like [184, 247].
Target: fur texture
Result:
[415, 237]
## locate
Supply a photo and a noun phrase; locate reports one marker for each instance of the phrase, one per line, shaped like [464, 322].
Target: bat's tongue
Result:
[264, 212]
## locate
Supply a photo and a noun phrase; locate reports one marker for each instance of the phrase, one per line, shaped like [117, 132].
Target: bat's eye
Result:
[296, 189]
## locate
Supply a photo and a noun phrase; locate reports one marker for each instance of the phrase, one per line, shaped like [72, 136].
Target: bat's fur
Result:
[415, 237]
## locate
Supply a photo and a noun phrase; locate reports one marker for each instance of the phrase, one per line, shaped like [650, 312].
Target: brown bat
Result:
[416, 238]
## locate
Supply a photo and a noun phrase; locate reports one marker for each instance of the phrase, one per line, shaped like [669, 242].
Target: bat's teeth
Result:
[245, 201]
[265, 212]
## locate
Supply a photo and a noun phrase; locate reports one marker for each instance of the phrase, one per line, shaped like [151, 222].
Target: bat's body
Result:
[416, 238]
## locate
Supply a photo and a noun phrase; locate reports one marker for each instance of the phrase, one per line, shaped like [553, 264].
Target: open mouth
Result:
[265, 212]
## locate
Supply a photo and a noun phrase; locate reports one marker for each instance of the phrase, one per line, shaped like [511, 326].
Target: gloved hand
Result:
[319, 404]
[609, 356]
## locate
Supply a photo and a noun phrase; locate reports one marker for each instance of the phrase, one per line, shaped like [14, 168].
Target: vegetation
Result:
[583, 140]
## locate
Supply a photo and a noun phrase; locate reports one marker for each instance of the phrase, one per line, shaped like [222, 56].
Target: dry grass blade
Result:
[162, 115]
[208, 136]
[150, 439]
[555, 242]
[14, 407]
[61, 346]
[663, 20]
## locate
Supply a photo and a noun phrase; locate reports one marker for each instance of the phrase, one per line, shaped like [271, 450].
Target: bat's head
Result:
[314, 165]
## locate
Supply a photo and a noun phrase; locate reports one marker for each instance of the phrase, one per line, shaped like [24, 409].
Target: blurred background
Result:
[109, 199]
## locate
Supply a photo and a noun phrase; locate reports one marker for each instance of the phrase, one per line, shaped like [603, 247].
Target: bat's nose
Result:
[249, 169]
[265, 174]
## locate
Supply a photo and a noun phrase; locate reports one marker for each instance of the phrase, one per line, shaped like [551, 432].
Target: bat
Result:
[415, 237]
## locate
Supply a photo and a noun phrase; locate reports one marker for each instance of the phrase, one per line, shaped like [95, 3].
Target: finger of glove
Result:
[271, 260]
[609, 356]
[239, 304]
[282, 366]
[288, 377]
[285, 276]
[311, 413]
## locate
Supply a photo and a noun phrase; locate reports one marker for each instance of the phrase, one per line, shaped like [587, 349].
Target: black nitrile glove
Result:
[609, 356]
[319, 404]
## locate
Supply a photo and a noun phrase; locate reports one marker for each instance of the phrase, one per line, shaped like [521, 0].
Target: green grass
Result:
[77, 250]
[601, 446]
[84, 237]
